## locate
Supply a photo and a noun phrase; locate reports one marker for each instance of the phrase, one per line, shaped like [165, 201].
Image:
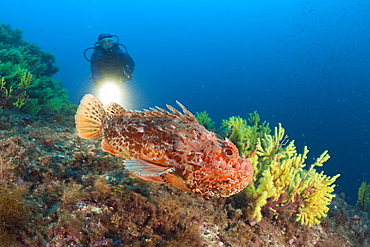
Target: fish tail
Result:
[89, 117]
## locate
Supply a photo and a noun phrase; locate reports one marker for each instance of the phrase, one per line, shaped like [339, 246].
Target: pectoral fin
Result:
[147, 169]
[157, 173]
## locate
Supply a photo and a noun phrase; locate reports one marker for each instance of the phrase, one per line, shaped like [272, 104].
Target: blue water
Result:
[302, 63]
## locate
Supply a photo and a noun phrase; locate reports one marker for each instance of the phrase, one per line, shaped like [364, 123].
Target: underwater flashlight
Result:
[111, 91]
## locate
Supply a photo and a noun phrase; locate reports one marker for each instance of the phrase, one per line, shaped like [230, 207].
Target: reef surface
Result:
[60, 190]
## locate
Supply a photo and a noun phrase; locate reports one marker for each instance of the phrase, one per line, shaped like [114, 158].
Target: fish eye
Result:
[229, 152]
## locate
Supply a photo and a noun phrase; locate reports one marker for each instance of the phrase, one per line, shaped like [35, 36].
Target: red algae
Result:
[67, 192]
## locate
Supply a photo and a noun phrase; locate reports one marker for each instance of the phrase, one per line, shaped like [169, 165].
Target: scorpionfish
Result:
[168, 147]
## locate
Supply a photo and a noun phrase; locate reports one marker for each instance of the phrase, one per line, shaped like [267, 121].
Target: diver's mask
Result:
[106, 43]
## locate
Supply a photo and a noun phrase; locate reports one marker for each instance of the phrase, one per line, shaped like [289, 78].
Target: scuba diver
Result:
[109, 62]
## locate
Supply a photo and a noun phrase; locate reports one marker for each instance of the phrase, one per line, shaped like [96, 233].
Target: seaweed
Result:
[26, 80]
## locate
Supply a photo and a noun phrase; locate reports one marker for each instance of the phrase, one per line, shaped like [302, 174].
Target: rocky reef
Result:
[65, 191]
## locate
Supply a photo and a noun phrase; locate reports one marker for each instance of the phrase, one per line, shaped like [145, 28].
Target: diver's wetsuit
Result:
[113, 64]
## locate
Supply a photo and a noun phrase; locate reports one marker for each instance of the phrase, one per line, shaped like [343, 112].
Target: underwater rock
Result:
[104, 205]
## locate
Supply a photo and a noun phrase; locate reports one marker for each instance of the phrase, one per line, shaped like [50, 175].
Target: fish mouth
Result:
[234, 188]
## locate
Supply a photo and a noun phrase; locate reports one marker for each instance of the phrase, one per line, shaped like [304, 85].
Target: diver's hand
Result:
[128, 77]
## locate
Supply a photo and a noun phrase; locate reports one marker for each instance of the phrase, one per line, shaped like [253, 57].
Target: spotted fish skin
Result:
[166, 147]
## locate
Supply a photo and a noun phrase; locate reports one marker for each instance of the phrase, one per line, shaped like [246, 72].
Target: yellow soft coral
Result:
[26, 79]
[204, 119]
[363, 200]
[281, 182]
[17, 95]
[245, 133]
[238, 131]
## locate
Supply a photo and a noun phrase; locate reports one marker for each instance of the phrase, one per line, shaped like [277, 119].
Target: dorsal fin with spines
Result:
[114, 110]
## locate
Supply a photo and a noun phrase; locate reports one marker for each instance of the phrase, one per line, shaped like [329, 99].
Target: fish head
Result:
[222, 172]
[226, 155]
